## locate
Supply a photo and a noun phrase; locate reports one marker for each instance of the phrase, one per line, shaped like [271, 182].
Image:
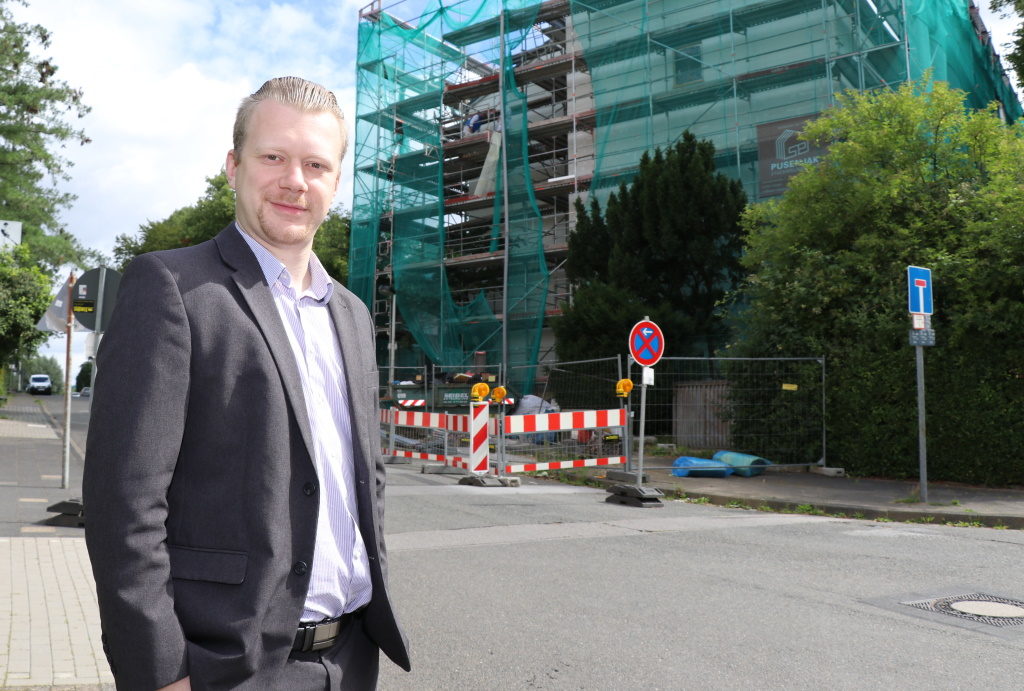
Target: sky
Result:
[163, 79]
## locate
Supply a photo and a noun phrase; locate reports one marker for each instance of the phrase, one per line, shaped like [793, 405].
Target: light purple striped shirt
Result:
[340, 577]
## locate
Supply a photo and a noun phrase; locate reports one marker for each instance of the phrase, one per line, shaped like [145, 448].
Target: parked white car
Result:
[40, 383]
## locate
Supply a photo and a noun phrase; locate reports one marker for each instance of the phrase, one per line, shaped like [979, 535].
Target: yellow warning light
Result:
[498, 395]
[623, 387]
[479, 392]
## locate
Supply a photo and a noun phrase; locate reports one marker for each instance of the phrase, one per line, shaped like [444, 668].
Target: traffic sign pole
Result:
[99, 326]
[646, 346]
[643, 422]
[65, 474]
[922, 448]
[920, 306]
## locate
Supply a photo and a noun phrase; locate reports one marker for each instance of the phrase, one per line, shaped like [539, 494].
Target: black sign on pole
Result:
[88, 294]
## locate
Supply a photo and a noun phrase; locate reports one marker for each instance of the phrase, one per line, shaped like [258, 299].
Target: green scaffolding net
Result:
[468, 110]
[409, 199]
[746, 75]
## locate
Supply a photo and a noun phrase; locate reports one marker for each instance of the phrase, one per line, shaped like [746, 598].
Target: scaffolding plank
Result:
[410, 126]
[695, 32]
[431, 44]
[524, 74]
[390, 72]
[514, 20]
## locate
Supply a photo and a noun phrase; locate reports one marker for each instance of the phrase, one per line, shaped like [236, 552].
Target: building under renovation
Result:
[480, 122]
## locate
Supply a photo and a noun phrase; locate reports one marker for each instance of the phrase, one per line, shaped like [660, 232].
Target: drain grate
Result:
[986, 609]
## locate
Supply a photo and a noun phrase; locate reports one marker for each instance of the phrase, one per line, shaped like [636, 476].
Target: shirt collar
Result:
[321, 287]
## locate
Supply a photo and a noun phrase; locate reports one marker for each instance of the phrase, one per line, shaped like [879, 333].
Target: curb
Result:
[860, 512]
[895, 514]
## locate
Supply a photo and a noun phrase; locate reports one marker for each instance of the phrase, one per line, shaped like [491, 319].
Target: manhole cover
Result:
[987, 609]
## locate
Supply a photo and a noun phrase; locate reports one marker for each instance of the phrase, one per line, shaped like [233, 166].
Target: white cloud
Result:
[1001, 28]
[163, 79]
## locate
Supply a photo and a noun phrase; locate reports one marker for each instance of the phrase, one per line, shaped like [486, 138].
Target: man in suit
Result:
[233, 481]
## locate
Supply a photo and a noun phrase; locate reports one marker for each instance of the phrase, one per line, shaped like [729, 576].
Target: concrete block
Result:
[827, 471]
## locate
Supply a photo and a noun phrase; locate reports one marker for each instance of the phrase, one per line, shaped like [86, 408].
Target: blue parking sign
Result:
[919, 290]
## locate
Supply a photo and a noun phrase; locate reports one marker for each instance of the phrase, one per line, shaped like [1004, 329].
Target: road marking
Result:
[38, 529]
[33, 500]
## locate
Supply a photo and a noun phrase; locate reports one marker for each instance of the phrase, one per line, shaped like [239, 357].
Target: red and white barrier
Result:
[559, 422]
[563, 465]
[410, 418]
[457, 461]
[438, 421]
[480, 427]
[421, 402]
[446, 421]
[479, 449]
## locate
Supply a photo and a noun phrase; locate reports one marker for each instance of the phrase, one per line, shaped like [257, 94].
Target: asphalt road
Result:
[54, 405]
[547, 586]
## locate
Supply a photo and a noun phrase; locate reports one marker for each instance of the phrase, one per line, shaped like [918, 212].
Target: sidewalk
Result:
[49, 621]
[49, 625]
[897, 500]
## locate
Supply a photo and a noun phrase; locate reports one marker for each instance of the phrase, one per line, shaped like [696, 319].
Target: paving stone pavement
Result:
[49, 619]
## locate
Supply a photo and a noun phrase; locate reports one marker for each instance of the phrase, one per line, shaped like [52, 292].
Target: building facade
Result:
[480, 122]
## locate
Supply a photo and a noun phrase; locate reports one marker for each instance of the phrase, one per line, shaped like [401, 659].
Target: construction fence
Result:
[772, 409]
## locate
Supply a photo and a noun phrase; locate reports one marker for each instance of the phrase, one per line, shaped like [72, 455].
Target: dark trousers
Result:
[350, 664]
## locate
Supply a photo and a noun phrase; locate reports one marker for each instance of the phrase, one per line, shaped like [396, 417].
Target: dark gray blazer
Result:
[199, 491]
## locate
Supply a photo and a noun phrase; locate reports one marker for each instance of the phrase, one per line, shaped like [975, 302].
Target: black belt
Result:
[321, 635]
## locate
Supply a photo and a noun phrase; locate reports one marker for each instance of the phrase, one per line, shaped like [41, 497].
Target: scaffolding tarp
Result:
[741, 73]
[400, 189]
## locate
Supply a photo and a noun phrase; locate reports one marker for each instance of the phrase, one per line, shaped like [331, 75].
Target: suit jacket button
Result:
[309, 489]
[299, 568]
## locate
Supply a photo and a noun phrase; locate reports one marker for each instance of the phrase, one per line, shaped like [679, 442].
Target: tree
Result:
[667, 246]
[911, 177]
[24, 296]
[44, 364]
[34, 110]
[201, 221]
[186, 226]
[84, 376]
[1015, 55]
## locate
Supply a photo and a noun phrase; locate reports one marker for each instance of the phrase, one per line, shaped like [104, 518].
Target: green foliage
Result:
[1015, 55]
[84, 376]
[597, 322]
[24, 296]
[34, 112]
[186, 226]
[43, 364]
[331, 244]
[911, 178]
[666, 246]
[201, 221]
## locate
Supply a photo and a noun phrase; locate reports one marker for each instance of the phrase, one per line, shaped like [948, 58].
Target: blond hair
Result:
[302, 94]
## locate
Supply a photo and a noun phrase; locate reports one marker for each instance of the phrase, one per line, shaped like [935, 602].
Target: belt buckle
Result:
[324, 635]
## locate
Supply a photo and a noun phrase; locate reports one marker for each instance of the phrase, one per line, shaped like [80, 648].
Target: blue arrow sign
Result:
[919, 290]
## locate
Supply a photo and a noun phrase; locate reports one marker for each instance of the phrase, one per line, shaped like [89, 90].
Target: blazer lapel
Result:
[353, 355]
[248, 276]
[358, 368]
